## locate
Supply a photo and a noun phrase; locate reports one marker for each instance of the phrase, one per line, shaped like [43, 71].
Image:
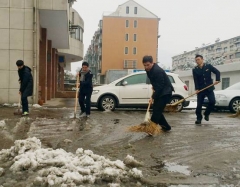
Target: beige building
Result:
[225, 55]
[47, 36]
[122, 39]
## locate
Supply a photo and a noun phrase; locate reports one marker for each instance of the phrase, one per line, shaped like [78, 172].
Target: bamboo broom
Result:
[147, 126]
[173, 107]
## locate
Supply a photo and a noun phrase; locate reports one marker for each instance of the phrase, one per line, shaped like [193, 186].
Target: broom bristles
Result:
[235, 115]
[170, 108]
[148, 128]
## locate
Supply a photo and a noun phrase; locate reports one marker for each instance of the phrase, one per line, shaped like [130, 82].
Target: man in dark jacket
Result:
[202, 78]
[162, 88]
[26, 85]
[86, 89]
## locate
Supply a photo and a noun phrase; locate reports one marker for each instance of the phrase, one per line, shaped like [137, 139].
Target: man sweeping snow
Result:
[26, 85]
[162, 91]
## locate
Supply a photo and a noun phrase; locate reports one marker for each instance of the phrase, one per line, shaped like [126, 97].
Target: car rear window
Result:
[171, 79]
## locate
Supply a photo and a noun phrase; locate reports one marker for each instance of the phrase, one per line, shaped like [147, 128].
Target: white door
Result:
[135, 91]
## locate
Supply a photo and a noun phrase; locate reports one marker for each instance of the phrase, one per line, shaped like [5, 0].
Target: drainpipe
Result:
[35, 11]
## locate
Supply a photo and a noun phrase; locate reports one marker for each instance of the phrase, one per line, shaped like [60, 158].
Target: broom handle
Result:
[149, 104]
[199, 91]
[180, 101]
[75, 109]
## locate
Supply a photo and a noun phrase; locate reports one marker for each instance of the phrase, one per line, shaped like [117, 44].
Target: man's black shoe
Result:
[166, 128]
[206, 118]
[198, 122]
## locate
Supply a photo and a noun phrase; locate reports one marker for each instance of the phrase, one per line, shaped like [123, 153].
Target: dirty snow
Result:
[61, 168]
[2, 124]
[173, 167]
[36, 106]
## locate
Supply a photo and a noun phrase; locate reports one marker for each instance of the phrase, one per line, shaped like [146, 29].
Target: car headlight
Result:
[220, 96]
[95, 91]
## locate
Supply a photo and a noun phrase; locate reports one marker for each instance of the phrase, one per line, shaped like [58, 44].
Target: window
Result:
[171, 79]
[225, 49]
[134, 50]
[218, 50]
[126, 37]
[225, 83]
[127, 10]
[127, 23]
[238, 45]
[231, 47]
[135, 10]
[237, 55]
[136, 79]
[135, 23]
[231, 57]
[135, 37]
[130, 64]
[126, 50]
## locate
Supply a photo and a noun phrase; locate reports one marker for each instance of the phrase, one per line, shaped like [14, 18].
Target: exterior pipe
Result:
[35, 52]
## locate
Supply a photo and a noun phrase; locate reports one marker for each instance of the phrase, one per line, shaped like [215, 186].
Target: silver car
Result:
[228, 98]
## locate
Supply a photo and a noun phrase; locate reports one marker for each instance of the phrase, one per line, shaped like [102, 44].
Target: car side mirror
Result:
[124, 83]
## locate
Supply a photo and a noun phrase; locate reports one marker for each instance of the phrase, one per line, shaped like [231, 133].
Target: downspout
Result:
[35, 52]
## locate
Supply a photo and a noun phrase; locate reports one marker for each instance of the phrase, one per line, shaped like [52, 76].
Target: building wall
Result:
[16, 42]
[114, 31]
[231, 71]
[221, 52]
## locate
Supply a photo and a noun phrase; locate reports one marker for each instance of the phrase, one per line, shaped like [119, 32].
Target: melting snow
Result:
[61, 168]
[2, 124]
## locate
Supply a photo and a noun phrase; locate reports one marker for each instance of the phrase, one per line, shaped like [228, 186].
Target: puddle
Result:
[173, 167]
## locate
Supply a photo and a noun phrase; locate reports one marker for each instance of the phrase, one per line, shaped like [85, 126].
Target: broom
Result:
[18, 111]
[235, 115]
[173, 107]
[146, 126]
[75, 108]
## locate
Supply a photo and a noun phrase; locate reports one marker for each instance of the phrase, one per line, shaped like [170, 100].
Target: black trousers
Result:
[200, 98]
[85, 97]
[24, 103]
[158, 108]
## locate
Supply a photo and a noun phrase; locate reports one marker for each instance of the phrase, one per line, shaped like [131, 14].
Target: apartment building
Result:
[47, 36]
[122, 39]
[225, 55]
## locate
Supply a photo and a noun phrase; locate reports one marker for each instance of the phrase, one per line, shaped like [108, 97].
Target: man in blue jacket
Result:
[202, 78]
[26, 85]
[86, 88]
[162, 94]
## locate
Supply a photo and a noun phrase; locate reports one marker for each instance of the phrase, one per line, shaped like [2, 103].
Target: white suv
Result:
[134, 91]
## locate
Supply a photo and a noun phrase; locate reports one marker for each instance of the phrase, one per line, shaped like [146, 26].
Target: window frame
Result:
[126, 48]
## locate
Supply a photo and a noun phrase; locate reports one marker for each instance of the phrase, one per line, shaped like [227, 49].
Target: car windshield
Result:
[234, 87]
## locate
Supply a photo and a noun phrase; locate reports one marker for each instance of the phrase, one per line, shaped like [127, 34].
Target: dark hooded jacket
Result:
[160, 82]
[86, 85]
[26, 86]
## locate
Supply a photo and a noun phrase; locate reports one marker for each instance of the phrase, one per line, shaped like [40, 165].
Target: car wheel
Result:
[180, 105]
[234, 105]
[107, 103]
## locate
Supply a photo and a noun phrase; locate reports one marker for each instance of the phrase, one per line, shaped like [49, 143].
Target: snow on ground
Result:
[61, 168]
[2, 124]
[36, 106]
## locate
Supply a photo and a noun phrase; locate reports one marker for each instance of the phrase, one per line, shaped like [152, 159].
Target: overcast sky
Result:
[184, 25]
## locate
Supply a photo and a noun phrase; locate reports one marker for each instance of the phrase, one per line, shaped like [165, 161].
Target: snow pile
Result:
[2, 124]
[36, 106]
[14, 104]
[6, 104]
[60, 168]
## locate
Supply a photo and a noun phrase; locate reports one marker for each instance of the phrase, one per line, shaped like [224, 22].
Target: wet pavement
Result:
[189, 155]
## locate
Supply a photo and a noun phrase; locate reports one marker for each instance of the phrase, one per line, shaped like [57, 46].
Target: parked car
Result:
[134, 91]
[228, 99]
